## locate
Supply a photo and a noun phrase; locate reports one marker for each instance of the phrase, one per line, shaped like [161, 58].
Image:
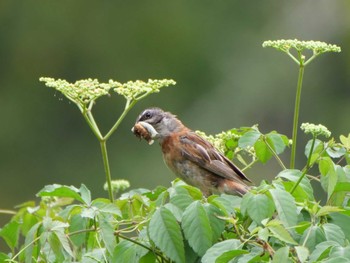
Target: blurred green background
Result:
[212, 49]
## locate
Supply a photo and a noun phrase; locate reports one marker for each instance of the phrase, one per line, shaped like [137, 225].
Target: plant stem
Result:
[307, 166]
[274, 154]
[128, 106]
[107, 169]
[296, 112]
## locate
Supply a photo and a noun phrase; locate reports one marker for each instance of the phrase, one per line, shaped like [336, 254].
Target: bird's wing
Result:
[201, 152]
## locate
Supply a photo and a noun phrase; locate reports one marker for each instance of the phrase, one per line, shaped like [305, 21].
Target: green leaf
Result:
[321, 251]
[61, 191]
[285, 206]
[227, 256]
[220, 248]
[340, 252]
[181, 200]
[257, 206]
[312, 236]
[334, 233]
[217, 225]
[126, 251]
[262, 151]
[63, 239]
[280, 232]
[29, 242]
[341, 220]
[165, 232]
[325, 210]
[342, 186]
[281, 255]
[78, 223]
[4, 257]
[10, 233]
[276, 142]
[107, 233]
[226, 203]
[249, 139]
[302, 253]
[85, 194]
[293, 175]
[196, 227]
[325, 165]
[345, 141]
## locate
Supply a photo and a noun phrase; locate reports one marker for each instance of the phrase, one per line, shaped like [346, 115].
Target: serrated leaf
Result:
[85, 194]
[293, 175]
[219, 248]
[281, 255]
[107, 233]
[280, 232]
[126, 251]
[29, 244]
[318, 148]
[325, 210]
[334, 233]
[249, 139]
[325, 165]
[302, 253]
[196, 226]
[342, 186]
[262, 151]
[345, 141]
[341, 220]
[276, 142]
[226, 203]
[313, 236]
[10, 233]
[285, 207]
[63, 241]
[321, 250]
[165, 232]
[340, 252]
[258, 206]
[181, 200]
[229, 255]
[61, 191]
[217, 224]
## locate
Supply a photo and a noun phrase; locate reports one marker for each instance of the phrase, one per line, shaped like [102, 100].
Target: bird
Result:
[191, 157]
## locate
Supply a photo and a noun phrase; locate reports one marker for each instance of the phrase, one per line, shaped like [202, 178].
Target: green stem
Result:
[25, 247]
[305, 170]
[142, 245]
[296, 113]
[274, 154]
[107, 169]
[128, 107]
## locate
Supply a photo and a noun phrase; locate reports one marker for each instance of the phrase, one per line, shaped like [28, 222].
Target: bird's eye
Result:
[147, 115]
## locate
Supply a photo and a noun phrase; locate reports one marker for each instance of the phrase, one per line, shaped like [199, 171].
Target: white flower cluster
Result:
[118, 185]
[318, 47]
[218, 140]
[315, 130]
[81, 92]
[133, 90]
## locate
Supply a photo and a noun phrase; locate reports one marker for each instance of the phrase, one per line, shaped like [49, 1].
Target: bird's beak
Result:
[146, 131]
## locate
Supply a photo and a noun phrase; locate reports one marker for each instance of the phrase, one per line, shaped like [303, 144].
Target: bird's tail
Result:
[234, 188]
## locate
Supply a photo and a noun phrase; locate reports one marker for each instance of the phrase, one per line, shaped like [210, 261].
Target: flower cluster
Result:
[118, 185]
[134, 90]
[317, 47]
[219, 140]
[315, 130]
[82, 92]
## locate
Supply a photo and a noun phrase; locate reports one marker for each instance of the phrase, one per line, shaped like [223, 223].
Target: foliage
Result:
[278, 221]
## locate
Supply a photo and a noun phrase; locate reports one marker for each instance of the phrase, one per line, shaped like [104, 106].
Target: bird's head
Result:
[163, 122]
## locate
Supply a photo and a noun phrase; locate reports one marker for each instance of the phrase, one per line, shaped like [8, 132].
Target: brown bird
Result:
[189, 156]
